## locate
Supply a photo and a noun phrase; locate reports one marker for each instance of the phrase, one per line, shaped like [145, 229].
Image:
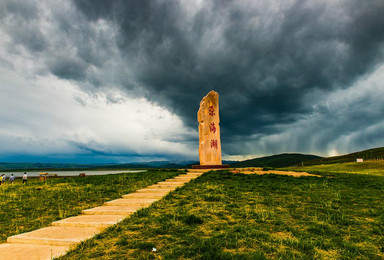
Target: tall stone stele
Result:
[209, 132]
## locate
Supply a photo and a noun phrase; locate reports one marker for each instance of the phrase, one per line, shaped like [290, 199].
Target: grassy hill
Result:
[370, 154]
[279, 160]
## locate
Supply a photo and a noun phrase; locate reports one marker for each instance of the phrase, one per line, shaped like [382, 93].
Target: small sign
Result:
[359, 160]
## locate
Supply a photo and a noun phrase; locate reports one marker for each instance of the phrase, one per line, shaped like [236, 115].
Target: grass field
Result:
[222, 215]
[27, 207]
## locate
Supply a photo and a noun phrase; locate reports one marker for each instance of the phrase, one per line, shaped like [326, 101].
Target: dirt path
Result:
[260, 171]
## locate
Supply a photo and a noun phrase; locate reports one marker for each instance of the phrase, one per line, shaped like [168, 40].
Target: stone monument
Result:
[209, 133]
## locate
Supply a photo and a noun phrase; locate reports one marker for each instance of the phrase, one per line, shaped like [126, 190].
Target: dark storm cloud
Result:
[263, 59]
[69, 68]
[58, 38]
[274, 63]
[23, 29]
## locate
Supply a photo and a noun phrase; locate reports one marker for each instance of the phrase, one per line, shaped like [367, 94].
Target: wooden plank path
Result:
[56, 239]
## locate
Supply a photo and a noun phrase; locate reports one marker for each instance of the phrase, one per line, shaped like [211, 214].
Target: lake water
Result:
[69, 173]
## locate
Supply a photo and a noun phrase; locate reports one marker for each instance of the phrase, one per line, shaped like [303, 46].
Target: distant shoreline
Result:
[69, 173]
[70, 169]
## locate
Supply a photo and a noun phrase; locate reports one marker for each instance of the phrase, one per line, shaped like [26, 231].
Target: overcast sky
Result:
[120, 81]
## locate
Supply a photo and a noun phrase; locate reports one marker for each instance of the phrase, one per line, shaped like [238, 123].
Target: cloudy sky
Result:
[120, 81]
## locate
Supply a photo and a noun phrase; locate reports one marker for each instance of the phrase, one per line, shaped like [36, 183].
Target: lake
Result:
[69, 173]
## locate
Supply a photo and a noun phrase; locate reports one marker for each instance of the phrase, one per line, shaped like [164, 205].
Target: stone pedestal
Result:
[221, 166]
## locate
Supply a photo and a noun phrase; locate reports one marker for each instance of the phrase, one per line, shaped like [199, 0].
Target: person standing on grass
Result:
[25, 177]
[3, 177]
[12, 178]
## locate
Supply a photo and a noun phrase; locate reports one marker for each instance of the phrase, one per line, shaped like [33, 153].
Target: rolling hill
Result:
[370, 154]
[279, 160]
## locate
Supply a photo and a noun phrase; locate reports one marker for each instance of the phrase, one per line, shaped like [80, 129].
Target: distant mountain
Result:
[166, 164]
[279, 160]
[370, 154]
[138, 165]
[68, 166]
[44, 166]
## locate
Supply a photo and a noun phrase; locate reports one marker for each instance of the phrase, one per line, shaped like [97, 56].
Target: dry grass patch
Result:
[262, 171]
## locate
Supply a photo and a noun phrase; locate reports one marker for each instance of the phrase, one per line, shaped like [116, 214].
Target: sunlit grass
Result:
[367, 167]
[236, 216]
[27, 207]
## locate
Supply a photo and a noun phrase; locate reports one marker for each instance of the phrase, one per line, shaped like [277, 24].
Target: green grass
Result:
[28, 207]
[367, 167]
[236, 216]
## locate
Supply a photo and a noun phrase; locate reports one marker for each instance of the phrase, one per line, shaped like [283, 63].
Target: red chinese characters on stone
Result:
[212, 128]
[214, 144]
[211, 111]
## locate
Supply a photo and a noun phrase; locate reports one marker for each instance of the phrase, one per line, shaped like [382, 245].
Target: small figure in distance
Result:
[12, 178]
[2, 179]
[25, 178]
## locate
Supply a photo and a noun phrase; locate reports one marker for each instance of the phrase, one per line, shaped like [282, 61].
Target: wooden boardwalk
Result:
[56, 239]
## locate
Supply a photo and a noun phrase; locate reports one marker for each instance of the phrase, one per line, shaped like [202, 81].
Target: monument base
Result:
[221, 166]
